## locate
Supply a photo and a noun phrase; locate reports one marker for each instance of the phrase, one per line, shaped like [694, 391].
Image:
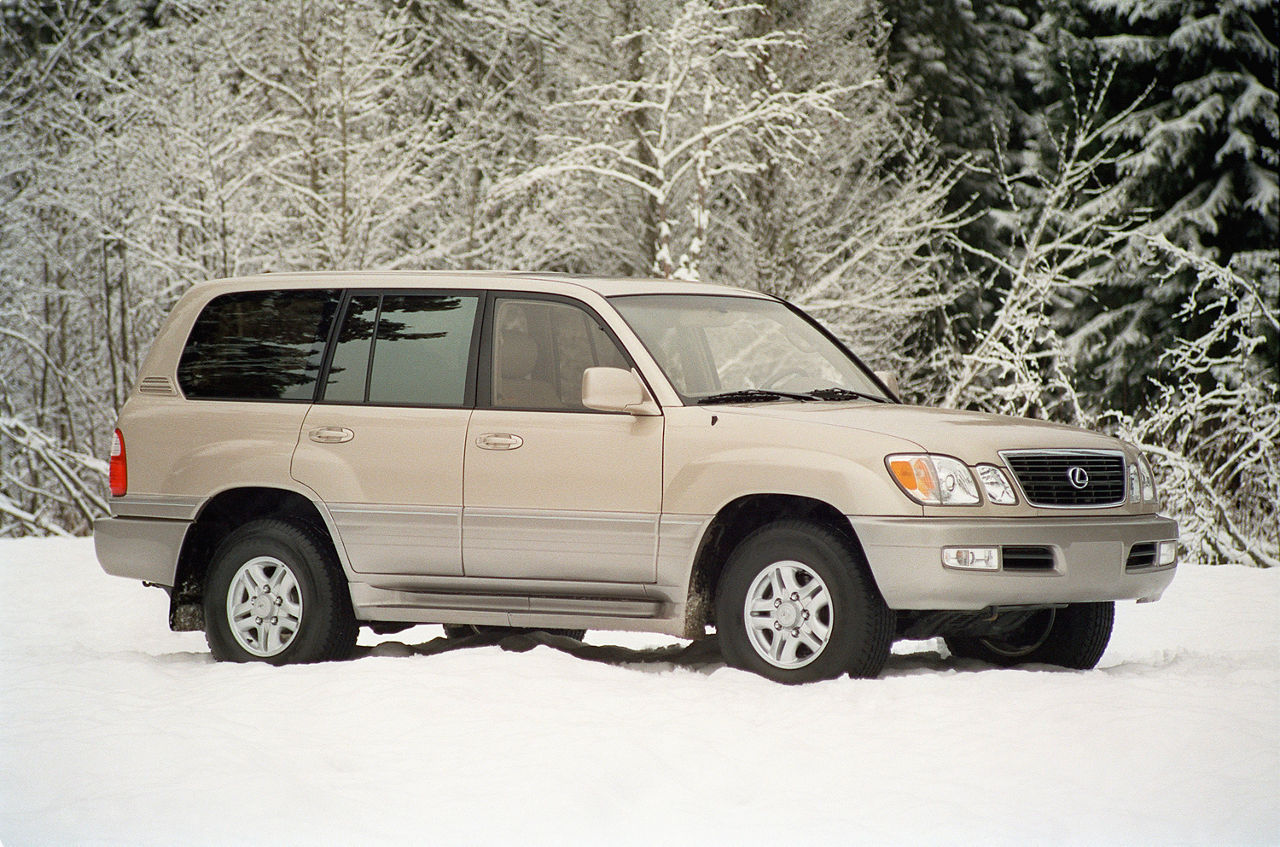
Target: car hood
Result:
[971, 436]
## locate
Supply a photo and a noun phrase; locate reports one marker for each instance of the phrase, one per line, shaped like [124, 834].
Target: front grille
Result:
[1141, 556]
[1026, 558]
[1069, 478]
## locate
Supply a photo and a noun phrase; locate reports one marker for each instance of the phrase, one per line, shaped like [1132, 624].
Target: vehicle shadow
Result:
[702, 655]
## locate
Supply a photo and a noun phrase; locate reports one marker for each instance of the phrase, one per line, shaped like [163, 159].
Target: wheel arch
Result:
[734, 522]
[219, 515]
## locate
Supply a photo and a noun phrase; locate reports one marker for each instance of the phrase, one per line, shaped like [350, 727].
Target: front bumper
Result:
[905, 555]
[140, 548]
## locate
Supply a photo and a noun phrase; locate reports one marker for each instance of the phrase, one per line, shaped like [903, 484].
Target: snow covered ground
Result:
[114, 730]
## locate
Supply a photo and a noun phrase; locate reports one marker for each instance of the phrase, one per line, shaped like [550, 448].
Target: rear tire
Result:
[796, 603]
[275, 593]
[1073, 637]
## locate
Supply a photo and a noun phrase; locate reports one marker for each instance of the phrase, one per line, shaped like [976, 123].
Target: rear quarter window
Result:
[258, 345]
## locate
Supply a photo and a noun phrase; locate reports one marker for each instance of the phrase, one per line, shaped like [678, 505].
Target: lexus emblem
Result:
[1078, 477]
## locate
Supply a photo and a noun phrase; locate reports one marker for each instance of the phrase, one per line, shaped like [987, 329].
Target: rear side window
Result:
[258, 345]
[403, 350]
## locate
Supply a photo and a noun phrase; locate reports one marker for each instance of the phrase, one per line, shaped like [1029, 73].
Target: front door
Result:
[553, 490]
[384, 446]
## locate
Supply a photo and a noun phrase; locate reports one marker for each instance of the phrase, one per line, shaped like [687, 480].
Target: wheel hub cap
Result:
[789, 614]
[264, 606]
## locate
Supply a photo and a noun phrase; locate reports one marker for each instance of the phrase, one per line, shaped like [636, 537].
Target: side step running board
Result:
[501, 609]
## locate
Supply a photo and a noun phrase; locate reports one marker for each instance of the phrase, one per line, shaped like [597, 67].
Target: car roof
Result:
[498, 280]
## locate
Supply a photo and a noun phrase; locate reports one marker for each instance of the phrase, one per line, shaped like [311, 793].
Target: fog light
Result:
[1168, 553]
[972, 558]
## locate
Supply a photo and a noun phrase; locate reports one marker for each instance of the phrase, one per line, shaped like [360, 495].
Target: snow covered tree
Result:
[853, 227]
[1068, 225]
[66, 287]
[1214, 425]
[962, 67]
[1212, 422]
[498, 68]
[681, 128]
[343, 125]
[755, 145]
[1201, 155]
[1207, 153]
[46, 488]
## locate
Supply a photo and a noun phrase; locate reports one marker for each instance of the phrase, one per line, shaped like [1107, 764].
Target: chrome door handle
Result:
[331, 434]
[499, 441]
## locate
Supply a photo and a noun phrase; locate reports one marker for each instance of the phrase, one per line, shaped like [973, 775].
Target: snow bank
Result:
[114, 730]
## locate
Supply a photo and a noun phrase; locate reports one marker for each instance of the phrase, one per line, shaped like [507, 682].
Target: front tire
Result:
[796, 604]
[275, 593]
[1072, 637]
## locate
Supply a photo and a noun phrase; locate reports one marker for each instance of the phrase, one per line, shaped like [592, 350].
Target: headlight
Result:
[934, 480]
[1142, 482]
[1147, 478]
[997, 485]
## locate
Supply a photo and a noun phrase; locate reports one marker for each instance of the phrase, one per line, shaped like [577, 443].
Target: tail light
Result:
[119, 474]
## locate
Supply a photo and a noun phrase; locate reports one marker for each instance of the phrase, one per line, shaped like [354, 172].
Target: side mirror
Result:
[616, 390]
[890, 380]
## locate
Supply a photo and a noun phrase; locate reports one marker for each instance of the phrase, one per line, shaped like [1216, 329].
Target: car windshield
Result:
[717, 348]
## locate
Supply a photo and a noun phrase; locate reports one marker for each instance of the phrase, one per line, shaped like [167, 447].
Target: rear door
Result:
[384, 445]
[556, 491]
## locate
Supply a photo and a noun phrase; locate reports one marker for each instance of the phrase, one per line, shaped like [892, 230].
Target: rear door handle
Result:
[331, 434]
[499, 441]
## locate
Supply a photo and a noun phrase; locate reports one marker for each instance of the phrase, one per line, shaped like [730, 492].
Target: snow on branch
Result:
[1068, 232]
[1214, 427]
[694, 113]
[71, 496]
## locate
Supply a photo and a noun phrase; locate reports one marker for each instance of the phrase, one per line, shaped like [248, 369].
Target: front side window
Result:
[712, 346]
[258, 345]
[541, 348]
[403, 349]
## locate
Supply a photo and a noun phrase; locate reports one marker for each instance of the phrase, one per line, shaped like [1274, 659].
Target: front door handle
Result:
[499, 441]
[331, 434]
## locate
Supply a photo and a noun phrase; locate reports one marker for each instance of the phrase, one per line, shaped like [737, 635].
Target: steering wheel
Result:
[784, 376]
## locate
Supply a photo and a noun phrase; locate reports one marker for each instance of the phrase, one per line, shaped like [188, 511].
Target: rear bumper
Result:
[140, 548]
[1089, 553]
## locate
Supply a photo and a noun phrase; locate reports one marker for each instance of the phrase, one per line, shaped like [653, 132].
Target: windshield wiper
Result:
[843, 394]
[751, 395]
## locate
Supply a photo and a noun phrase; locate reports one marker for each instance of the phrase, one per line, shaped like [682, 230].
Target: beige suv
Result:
[306, 454]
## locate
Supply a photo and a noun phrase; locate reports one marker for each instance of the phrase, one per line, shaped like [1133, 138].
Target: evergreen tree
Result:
[1202, 159]
[1207, 144]
[961, 65]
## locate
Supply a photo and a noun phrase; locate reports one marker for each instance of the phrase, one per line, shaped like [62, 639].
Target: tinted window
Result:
[403, 349]
[349, 370]
[540, 350]
[258, 345]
